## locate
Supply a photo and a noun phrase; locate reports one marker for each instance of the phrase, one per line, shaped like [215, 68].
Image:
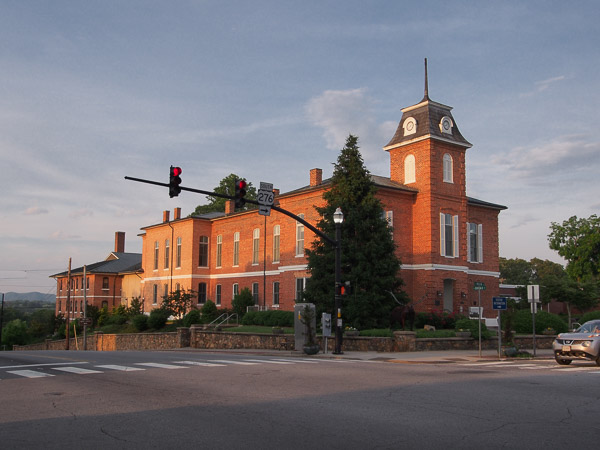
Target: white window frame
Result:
[276, 287]
[448, 168]
[156, 250]
[300, 237]
[219, 250]
[167, 253]
[236, 249]
[178, 253]
[452, 221]
[410, 175]
[276, 243]
[203, 248]
[300, 286]
[475, 230]
[255, 246]
[218, 293]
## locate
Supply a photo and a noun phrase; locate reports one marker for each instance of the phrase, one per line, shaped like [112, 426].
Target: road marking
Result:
[227, 361]
[41, 365]
[198, 363]
[121, 368]
[30, 373]
[160, 366]
[77, 370]
[496, 363]
[268, 361]
[303, 361]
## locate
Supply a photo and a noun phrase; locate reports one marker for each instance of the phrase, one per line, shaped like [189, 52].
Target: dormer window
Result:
[448, 178]
[410, 126]
[446, 125]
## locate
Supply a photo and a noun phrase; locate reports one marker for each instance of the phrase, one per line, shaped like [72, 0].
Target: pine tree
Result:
[369, 261]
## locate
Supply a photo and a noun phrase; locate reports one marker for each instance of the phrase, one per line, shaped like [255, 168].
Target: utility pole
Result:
[84, 310]
[68, 305]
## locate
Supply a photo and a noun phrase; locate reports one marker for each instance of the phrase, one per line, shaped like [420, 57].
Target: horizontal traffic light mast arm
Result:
[215, 194]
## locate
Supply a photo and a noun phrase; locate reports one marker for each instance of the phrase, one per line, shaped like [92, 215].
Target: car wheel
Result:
[566, 362]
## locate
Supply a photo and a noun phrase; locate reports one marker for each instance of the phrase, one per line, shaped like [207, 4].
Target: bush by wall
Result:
[523, 322]
[438, 319]
[272, 318]
[158, 318]
[140, 322]
[473, 327]
[191, 318]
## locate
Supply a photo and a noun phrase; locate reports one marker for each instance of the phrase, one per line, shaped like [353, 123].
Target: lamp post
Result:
[338, 218]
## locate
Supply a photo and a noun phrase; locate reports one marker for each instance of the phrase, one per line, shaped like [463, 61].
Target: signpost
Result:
[499, 304]
[533, 297]
[479, 286]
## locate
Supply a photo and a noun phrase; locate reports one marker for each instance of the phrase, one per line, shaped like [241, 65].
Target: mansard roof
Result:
[428, 116]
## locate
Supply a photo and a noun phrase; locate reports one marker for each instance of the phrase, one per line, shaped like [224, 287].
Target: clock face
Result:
[410, 126]
[446, 125]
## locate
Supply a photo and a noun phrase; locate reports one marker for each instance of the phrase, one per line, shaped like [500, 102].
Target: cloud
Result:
[344, 112]
[62, 236]
[565, 156]
[35, 211]
[542, 85]
[82, 212]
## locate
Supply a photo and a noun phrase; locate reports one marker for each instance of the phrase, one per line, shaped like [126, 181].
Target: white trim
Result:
[427, 136]
[450, 268]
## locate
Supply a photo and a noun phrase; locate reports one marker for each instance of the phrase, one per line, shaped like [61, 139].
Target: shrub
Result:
[116, 319]
[158, 318]
[592, 315]
[140, 322]
[377, 332]
[209, 311]
[242, 301]
[523, 322]
[473, 327]
[438, 319]
[272, 318]
[192, 318]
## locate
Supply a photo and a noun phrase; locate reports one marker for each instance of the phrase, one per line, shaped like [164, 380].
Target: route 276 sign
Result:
[265, 198]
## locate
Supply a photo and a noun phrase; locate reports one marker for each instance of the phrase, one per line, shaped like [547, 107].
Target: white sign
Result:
[265, 195]
[533, 293]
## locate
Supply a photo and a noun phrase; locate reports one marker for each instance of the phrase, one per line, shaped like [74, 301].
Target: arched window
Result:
[409, 169]
[448, 172]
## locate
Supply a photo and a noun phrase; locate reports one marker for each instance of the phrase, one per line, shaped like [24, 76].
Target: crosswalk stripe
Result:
[77, 370]
[120, 368]
[198, 363]
[30, 373]
[302, 361]
[160, 366]
[268, 361]
[227, 361]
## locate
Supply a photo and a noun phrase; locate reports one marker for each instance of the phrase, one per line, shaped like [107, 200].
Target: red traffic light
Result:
[241, 184]
[177, 171]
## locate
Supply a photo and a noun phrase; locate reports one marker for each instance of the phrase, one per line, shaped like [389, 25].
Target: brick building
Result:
[107, 283]
[445, 240]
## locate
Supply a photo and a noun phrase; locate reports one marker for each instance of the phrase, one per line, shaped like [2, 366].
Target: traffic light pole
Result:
[254, 202]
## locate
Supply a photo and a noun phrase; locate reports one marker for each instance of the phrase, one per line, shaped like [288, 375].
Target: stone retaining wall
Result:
[196, 337]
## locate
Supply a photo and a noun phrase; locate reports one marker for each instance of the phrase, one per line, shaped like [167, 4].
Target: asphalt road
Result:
[225, 400]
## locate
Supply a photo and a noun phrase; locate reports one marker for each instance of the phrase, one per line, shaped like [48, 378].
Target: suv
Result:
[582, 344]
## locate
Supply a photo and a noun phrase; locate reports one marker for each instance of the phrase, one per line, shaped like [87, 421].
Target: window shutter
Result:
[480, 242]
[442, 235]
[456, 233]
[468, 242]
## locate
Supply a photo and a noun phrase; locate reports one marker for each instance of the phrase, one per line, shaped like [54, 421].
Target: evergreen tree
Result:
[368, 261]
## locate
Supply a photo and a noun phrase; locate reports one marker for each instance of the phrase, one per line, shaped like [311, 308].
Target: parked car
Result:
[581, 344]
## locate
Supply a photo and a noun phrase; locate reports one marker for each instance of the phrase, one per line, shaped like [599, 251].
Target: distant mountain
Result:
[29, 296]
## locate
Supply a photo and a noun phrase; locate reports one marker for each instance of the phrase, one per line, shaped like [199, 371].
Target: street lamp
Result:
[338, 218]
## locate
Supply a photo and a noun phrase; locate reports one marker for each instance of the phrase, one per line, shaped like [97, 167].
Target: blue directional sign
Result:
[499, 302]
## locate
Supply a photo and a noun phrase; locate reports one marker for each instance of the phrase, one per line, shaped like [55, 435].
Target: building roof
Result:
[477, 202]
[378, 180]
[116, 262]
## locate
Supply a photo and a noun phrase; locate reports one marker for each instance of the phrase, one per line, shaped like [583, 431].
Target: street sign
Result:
[265, 195]
[86, 321]
[479, 286]
[499, 303]
[264, 210]
[533, 293]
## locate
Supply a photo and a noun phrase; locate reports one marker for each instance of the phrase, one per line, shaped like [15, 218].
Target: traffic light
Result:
[346, 288]
[240, 193]
[174, 181]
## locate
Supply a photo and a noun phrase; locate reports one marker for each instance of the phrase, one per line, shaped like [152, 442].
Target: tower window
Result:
[448, 169]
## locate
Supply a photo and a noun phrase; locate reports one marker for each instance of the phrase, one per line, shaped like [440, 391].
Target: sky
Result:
[91, 92]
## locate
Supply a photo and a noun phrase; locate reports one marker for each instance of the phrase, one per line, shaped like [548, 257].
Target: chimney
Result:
[120, 242]
[166, 215]
[177, 213]
[316, 177]
[229, 206]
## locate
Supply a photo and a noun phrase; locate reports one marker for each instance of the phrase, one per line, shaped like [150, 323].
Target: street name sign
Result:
[479, 286]
[533, 293]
